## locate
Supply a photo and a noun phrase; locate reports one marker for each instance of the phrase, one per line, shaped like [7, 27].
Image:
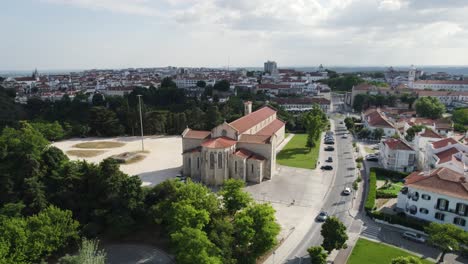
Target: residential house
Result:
[397, 155]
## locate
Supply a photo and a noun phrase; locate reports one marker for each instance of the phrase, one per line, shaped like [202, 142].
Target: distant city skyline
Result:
[55, 35]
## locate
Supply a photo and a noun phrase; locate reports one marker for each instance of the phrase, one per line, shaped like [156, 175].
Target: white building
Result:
[397, 155]
[441, 84]
[448, 98]
[421, 141]
[448, 153]
[438, 196]
[303, 104]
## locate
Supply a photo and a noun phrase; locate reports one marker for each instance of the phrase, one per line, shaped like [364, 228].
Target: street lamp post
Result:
[141, 124]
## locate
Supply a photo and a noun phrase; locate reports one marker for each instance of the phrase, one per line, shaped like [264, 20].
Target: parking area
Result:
[163, 155]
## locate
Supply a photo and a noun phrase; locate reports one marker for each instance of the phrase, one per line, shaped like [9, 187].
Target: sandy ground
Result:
[163, 161]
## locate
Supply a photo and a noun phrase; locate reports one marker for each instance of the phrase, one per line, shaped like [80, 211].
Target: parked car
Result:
[345, 136]
[326, 167]
[322, 216]
[372, 157]
[330, 142]
[414, 237]
[329, 148]
[341, 122]
[330, 159]
[347, 191]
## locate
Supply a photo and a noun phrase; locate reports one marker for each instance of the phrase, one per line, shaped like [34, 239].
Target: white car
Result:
[347, 191]
[414, 237]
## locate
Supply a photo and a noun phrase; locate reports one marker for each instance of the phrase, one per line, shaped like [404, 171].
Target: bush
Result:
[393, 175]
[354, 144]
[370, 201]
[383, 194]
[417, 224]
[359, 159]
[359, 165]
[355, 185]
[359, 179]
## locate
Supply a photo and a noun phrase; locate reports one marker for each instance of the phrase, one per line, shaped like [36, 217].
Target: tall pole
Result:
[141, 124]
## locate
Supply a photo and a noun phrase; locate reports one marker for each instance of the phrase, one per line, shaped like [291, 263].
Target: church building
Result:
[244, 149]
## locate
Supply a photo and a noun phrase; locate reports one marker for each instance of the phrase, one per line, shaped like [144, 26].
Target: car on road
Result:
[413, 237]
[330, 159]
[322, 216]
[347, 191]
[345, 136]
[329, 142]
[341, 122]
[329, 148]
[326, 167]
[372, 157]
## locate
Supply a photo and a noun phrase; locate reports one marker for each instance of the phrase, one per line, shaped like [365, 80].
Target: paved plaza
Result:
[163, 160]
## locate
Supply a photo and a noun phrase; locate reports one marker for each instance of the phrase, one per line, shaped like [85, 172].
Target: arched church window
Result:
[220, 160]
[212, 160]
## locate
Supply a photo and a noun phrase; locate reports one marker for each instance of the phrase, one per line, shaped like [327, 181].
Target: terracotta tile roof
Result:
[376, 119]
[270, 129]
[220, 142]
[194, 150]
[397, 144]
[443, 124]
[259, 139]
[363, 87]
[446, 155]
[246, 154]
[198, 134]
[441, 82]
[442, 180]
[429, 133]
[444, 142]
[246, 122]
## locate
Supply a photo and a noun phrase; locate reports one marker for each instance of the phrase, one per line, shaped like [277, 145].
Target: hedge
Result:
[417, 224]
[370, 201]
[393, 175]
[383, 194]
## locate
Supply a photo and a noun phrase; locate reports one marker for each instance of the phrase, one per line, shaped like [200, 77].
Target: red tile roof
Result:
[441, 82]
[260, 139]
[217, 143]
[429, 133]
[442, 180]
[271, 129]
[198, 134]
[246, 154]
[446, 155]
[397, 144]
[444, 142]
[376, 119]
[246, 122]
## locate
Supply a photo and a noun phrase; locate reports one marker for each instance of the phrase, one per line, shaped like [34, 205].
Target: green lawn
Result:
[369, 252]
[393, 188]
[296, 154]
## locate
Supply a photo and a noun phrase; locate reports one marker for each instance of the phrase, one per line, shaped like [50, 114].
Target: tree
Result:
[411, 132]
[378, 133]
[213, 116]
[167, 82]
[98, 100]
[460, 116]
[334, 234]
[429, 107]
[445, 237]
[255, 232]
[406, 260]
[201, 84]
[359, 101]
[315, 122]
[364, 133]
[234, 198]
[409, 99]
[222, 86]
[51, 131]
[193, 246]
[317, 255]
[87, 254]
[104, 122]
[349, 122]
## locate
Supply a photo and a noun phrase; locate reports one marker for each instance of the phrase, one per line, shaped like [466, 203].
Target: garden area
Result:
[369, 252]
[296, 154]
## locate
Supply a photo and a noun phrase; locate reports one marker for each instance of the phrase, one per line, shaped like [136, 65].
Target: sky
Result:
[85, 34]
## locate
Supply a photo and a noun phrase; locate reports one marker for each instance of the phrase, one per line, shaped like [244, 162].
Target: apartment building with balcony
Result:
[397, 155]
[440, 195]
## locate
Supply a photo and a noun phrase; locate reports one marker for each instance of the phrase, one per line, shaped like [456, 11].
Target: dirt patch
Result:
[85, 153]
[381, 202]
[99, 145]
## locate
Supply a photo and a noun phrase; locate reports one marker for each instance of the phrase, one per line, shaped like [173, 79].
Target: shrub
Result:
[359, 179]
[393, 175]
[359, 159]
[383, 194]
[355, 185]
[417, 224]
[370, 201]
[359, 165]
[354, 144]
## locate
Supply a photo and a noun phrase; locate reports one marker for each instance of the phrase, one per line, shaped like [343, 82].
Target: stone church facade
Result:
[244, 149]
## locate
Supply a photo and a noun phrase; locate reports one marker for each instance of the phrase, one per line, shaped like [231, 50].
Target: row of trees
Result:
[315, 121]
[334, 237]
[364, 101]
[39, 182]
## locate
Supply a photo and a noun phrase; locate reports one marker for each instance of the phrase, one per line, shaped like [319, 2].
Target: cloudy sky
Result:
[82, 34]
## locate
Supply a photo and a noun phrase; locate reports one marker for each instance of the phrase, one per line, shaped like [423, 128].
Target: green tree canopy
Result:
[193, 246]
[429, 107]
[88, 253]
[222, 86]
[317, 255]
[334, 234]
[445, 237]
[234, 197]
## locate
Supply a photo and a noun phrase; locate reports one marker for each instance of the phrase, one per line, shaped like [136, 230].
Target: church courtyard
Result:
[161, 159]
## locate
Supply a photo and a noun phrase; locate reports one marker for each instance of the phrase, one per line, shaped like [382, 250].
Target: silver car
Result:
[414, 237]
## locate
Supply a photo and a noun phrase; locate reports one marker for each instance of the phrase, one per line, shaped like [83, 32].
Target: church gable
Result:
[224, 130]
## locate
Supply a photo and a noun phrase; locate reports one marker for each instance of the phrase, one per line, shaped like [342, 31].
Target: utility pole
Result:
[141, 124]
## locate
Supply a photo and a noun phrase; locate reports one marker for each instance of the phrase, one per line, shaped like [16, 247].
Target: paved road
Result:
[335, 203]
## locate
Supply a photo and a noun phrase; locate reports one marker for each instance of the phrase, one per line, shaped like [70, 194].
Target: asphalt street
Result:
[335, 203]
